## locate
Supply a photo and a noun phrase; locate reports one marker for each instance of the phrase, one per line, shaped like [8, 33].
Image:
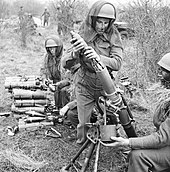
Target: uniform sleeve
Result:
[68, 60]
[115, 60]
[43, 69]
[156, 140]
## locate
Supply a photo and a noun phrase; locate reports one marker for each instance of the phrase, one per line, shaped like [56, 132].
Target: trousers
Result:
[61, 97]
[88, 89]
[149, 160]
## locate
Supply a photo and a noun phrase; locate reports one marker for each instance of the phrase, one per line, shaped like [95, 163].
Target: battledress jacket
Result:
[158, 139]
[108, 46]
[51, 65]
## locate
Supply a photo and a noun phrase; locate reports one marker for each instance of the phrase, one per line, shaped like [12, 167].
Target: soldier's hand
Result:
[90, 53]
[77, 42]
[119, 141]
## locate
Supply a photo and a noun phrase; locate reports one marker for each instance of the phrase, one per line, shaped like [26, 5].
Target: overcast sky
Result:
[124, 2]
[115, 2]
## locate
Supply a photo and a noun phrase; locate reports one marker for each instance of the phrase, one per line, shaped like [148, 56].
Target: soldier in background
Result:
[31, 26]
[21, 14]
[46, 16]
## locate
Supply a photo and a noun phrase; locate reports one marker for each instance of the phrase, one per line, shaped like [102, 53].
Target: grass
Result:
[29, 150]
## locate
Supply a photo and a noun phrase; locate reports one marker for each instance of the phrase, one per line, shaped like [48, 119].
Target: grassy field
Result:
[29, 150]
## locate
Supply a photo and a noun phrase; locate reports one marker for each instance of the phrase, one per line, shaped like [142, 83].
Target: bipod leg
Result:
[64, 169]
[97, 156]
[88, 156]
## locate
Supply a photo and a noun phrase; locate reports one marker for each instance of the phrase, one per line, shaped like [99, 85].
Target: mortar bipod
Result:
[86, 161]
[95, 136]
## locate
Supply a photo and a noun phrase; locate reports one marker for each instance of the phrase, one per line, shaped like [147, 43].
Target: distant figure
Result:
[46, 16]
[21, 14]
[58, 18]
[22, 18]
[31, 24]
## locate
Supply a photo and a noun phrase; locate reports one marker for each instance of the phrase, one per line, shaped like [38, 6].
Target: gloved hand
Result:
[77, 42]
[64, 110]
[90, 54]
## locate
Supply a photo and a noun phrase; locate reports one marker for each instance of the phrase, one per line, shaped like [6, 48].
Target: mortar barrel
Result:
[109, 86]
[106, 80]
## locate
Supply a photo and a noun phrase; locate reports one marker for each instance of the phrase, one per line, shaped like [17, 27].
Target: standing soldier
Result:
[104, 44]
[46, 15]
[21, 14]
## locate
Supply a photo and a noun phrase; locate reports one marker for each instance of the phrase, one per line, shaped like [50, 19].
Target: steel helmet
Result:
[51, 43]
[107, 11]
[165, 62]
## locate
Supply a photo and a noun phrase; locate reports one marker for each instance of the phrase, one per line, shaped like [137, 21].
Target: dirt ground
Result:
[29, 150]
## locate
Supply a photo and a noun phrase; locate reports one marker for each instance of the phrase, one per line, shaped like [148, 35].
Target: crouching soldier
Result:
[152, 153]
[51, 70]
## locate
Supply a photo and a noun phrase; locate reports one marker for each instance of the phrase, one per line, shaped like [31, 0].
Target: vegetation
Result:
[151, 23]
[29, 150]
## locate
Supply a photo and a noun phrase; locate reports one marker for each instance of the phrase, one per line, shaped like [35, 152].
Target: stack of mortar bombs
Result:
[28, 93]
[29, 100]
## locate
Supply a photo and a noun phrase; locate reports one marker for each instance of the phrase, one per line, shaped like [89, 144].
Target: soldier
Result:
[31, 26]
[152, 153]
[51, 68]
[104, 44]
[21, 14]
[46, 16]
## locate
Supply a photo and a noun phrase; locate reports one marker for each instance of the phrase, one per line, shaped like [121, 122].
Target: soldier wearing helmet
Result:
[164, 63]
[152, 152]
[46, 16]
[104, 43]
[51, 68]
